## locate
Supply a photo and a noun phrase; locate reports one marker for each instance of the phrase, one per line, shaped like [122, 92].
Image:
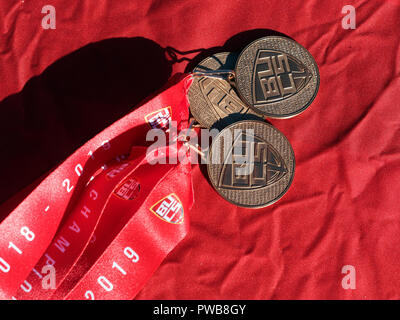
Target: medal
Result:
[277, 77]
[251, 164]
[213, 101]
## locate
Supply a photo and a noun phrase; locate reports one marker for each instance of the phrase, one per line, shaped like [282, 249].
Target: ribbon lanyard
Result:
[104, 231]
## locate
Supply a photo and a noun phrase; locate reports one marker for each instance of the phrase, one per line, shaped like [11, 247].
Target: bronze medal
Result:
[251, 164]
[277, 77]
[213, 101]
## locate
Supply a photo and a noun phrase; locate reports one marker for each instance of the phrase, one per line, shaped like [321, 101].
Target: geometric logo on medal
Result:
[159, 119]
[277, 76]
[267, 165]
[169, 209]
[221, 97]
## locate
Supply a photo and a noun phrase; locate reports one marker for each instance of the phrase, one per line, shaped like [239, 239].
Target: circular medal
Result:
[251, 164]
[277, 77]
[213, 101]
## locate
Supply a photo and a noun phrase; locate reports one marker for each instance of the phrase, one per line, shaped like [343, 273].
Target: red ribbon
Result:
[107, 230]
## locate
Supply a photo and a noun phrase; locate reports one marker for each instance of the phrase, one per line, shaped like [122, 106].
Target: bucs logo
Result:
[266, 165]
[159, 119]
[169, 209]
[221, 97]
[128, 190]
[277, 76]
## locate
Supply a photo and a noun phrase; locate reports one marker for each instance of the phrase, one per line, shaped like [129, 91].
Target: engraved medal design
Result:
[277, 77]
[269, 167]
[213, 102]
[251, 164]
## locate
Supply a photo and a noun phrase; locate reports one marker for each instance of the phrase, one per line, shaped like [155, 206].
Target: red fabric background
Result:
[60, 87]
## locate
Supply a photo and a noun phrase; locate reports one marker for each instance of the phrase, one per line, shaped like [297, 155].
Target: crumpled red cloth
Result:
[58, 88]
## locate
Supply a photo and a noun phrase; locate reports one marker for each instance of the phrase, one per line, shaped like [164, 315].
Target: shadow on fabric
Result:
[71, 101]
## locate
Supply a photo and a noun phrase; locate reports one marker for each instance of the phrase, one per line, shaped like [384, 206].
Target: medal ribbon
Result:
[105, 231]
